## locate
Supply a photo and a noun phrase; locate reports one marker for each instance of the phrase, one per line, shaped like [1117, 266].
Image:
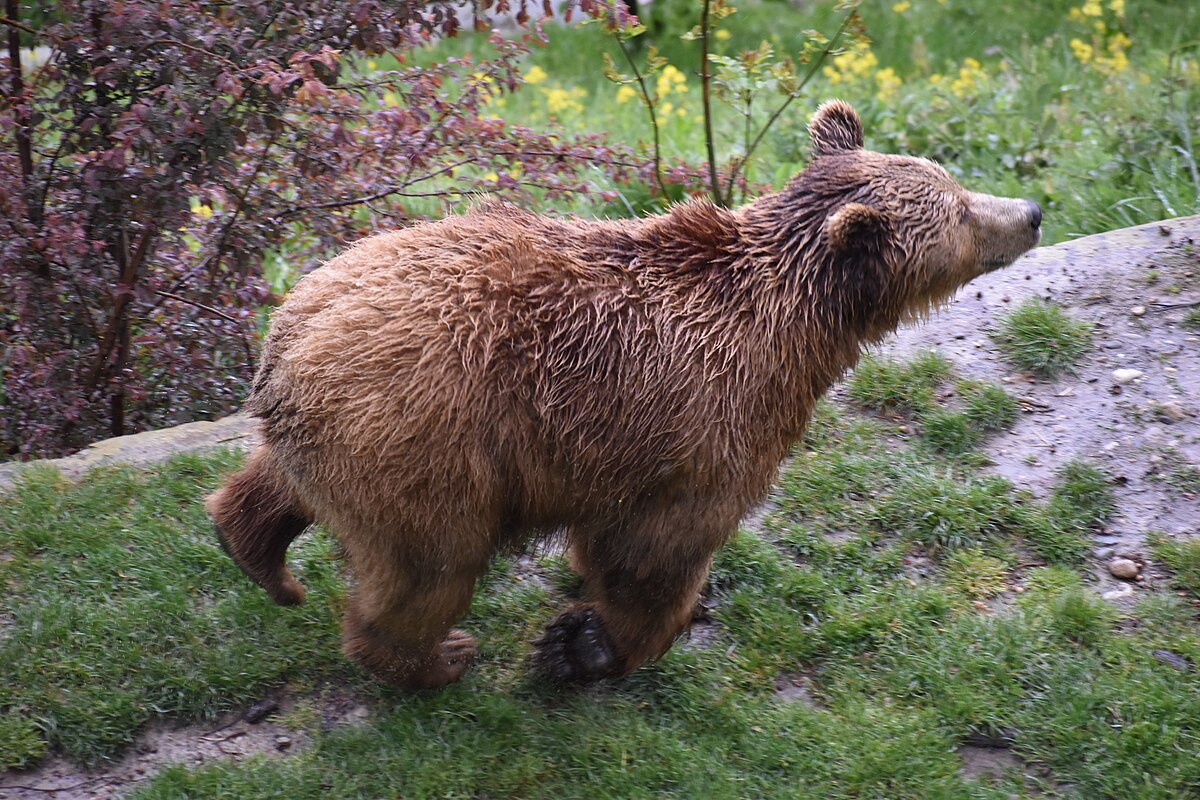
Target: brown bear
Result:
[440, 393]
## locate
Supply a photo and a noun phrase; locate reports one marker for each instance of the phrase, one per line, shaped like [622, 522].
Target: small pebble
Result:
[1123, 568]
[282, 742]
[1170, 412]
[1138, 311]
[1126, 375]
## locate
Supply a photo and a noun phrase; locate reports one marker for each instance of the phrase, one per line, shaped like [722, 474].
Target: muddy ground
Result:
[1135, 286]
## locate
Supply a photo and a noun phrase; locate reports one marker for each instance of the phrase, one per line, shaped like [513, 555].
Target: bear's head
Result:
[917, 235]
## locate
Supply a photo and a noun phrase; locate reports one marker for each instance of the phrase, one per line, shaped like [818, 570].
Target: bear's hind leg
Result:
[398, 622]
[256, 517]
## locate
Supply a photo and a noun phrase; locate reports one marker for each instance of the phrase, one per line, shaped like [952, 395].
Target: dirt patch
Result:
[1136, 287]
[281, 729]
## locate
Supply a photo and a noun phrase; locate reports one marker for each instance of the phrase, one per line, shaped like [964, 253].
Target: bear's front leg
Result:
[641, 580]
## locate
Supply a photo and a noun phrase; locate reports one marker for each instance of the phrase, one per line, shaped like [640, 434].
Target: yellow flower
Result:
[1092, 8]
[203, 211]
[1118, 41]
[970, 77]
[851, 67]
[902, 6]
[665, 109]
[389, 100]
[1082, 51]
[722, 35]
[535, 75]
[626, 93]
[671, 79]
[1117, 7]
[681, 112]
[888, 82]
[371, 65]
[491, 176]
[560, 99]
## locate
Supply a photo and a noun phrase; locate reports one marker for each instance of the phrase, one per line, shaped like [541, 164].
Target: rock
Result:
[1173, 660]
[283, 742]
[1126, 375]
[1123, 568]
[1138, 311]
[1169, 412]
[260, 711]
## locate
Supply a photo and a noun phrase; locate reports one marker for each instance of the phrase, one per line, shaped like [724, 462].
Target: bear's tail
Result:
[257, 516]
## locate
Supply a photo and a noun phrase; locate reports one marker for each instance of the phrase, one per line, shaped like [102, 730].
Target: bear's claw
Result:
[575, 647]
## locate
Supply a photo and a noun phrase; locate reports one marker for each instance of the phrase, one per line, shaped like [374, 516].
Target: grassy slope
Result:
[119, 607]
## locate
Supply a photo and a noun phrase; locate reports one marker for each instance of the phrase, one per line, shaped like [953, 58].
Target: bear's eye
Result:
[964, 215]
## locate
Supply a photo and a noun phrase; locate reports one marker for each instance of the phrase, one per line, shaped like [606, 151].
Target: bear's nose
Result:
[1035, 214]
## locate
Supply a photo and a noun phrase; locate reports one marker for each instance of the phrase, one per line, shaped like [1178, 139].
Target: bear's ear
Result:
[856, 227]
[835, 128]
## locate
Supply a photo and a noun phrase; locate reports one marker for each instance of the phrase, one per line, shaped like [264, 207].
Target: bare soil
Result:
[1135, 286]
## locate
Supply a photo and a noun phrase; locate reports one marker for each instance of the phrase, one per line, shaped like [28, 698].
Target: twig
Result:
[706, 99]
[793, 95]
[12, 23]
[649, 107]
[1169, 306]
[201, 306]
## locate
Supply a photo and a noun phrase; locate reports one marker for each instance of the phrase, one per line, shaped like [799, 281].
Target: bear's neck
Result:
[799, 316]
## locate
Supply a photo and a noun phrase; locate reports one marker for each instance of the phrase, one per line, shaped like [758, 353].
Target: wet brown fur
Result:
[441, 392]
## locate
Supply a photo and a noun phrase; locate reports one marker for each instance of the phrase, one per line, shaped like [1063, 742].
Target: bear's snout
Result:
[1035, 214]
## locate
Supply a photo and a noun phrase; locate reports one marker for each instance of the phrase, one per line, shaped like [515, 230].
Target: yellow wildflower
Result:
[902, 6]
[851, 67]
[626, 93]
[1118, 41]
[559, 99]
[371, 65]
[1082, 51]
[1117, 7]
[1092, 8]
[390, 100]
[535, 75]
[491, 176]
[203, 211]
[722, 35]
[681, 112]
[671, 79]
[665, 109]
[970, 77]
[888, 82]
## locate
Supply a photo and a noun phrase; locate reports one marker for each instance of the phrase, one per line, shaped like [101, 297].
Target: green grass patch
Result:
[886, 385]
[1182, 557]
[1039, 337]
[120, 608]
[915, 389]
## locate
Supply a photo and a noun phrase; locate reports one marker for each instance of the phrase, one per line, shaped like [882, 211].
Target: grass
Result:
[911, 390]
[1041, 338]
[120, 609]
[1182, 557]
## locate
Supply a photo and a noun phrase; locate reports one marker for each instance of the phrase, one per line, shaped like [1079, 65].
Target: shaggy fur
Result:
[441, 392]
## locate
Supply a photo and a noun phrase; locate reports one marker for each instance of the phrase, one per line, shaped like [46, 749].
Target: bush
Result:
[167, 150]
